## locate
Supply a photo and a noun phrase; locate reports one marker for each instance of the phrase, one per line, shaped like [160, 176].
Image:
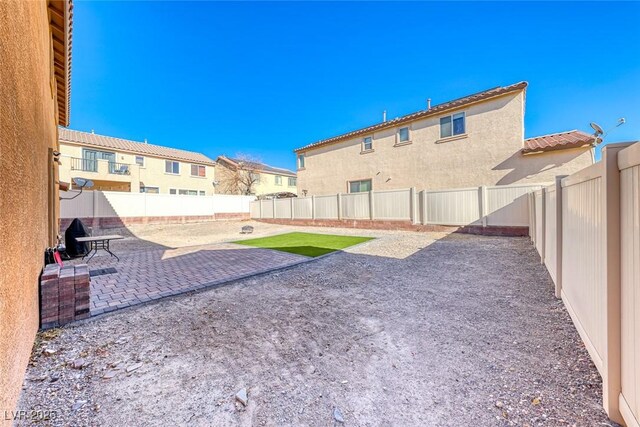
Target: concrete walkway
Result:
[153, 274]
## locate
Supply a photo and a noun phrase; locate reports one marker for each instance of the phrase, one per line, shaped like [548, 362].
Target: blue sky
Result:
[265, 78]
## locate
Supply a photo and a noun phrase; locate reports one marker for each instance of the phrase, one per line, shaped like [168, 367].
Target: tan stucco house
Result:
[116, 164]
[241, 176]
[35, 73]
[471, 141]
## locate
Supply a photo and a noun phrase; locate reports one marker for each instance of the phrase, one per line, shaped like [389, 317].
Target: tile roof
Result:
[557, 141]
[258, 166]
[435, 110]
[101, 141]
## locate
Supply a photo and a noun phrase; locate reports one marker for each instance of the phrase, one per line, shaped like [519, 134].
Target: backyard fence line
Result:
[504, 206]
[114, 204]
[586, 229]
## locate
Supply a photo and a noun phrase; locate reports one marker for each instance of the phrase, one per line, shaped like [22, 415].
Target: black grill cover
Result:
[76, 229]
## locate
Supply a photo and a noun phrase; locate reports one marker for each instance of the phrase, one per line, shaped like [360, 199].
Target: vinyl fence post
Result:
[543, 224]
[412, 205]
[313, 207]
[371, 205]
[558, 214]
[611, 378]
[95, 208]
[339, 206]
[273, 202]
[483, 204]
[425, 219]
[292, 213]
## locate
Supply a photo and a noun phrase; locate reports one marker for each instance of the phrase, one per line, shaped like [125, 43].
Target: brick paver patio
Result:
[153, 274]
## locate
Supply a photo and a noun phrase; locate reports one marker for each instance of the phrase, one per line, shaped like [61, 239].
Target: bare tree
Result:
[239, 175]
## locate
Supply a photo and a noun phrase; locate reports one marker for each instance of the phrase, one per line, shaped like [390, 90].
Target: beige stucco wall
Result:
[267, 184]
[27, 133]
[489, 154]
[152, 174]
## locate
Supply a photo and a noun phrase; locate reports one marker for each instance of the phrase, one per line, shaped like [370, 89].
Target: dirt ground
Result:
[410, 329]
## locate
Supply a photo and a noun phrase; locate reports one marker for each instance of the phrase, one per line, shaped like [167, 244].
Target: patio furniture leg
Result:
[112, 254]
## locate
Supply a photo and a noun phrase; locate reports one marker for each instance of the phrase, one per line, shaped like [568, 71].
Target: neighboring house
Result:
[238, 176]
[35, 72]
[471, 141]
[116, 164]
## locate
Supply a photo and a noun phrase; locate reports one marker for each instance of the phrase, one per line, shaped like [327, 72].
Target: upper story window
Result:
[140, 161]
[198, 170]
[367, 143]
[255, 177]
[360, 186]
[172, 167]
[186, 192]
[149, 190]
[292, 181]
[300, 161]
[452, 125]
[403, 135]
[278, 180]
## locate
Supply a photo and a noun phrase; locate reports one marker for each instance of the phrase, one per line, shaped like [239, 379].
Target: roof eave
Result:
[528, 151]
[142, 153]
[60, 24]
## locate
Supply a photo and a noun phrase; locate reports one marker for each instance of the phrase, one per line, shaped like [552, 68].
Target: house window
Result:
[198, 170]
[172, 167]
[292, 181]
[149, 190]
[360, 186]
[300, 161]
[255, 177]
[278, 180]
[403, 135]
[367, 143]
[452, 125]
[183, 192]
[140, 161]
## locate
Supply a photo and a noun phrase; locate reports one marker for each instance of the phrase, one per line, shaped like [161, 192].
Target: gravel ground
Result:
[410, 329]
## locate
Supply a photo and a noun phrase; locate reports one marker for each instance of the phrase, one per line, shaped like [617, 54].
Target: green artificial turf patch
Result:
[307, 244]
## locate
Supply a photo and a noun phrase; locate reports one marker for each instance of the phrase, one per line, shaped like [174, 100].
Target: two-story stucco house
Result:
[116, 164]
[238, 176]
[471, 141]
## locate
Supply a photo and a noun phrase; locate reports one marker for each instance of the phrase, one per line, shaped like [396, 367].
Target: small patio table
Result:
[99, 242]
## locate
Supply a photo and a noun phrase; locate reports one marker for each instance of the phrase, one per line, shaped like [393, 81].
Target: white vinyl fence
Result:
[505, 205]
[586, 229]
[111, 204]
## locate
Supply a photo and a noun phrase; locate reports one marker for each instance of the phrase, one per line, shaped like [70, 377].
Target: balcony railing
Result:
[91, 165]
